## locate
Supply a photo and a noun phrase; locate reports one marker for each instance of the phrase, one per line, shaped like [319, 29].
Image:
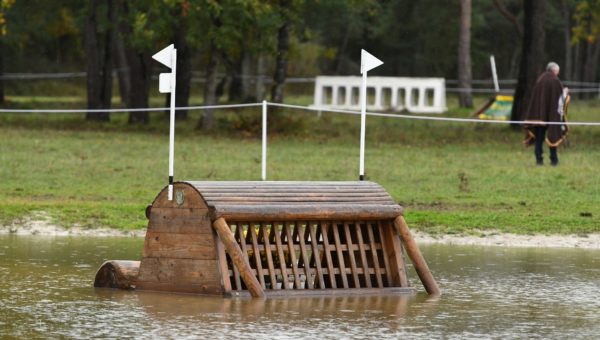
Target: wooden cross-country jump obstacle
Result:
[264, 239]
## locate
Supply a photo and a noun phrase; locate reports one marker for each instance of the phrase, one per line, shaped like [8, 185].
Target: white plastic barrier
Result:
[418, 95]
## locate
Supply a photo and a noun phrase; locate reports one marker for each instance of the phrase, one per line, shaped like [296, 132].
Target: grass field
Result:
[450, 177]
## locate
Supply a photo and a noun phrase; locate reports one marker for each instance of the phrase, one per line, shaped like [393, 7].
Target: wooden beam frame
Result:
[239, 260]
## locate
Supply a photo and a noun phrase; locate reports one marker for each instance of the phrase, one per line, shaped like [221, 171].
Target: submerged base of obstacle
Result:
[264, 239]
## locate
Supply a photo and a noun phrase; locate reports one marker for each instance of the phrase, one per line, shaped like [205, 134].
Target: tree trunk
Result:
[1, 72]
[108, 52]
[93, 63]
[590, 65]
[210, 87]
[138, 63]
[578, 63]
[98, 50]
[139, 70]
[532, 56]
[568, 73]
[238, 88]
[184, 66]
[122, 70]
[260, 80]
[283, 47]
[464, 55]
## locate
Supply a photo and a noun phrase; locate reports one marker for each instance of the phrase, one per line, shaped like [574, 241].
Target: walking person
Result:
[548, 102]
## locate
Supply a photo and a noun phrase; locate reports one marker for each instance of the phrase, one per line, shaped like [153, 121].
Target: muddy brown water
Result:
[489, 292]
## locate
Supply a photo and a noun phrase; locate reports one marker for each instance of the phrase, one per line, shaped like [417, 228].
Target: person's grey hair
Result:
[552, 66]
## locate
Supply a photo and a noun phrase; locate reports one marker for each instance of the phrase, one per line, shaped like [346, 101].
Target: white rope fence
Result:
[446, 119]
[297, 107]
[124, 110]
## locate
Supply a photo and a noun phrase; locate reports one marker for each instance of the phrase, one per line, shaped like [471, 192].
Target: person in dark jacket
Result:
[547, 105]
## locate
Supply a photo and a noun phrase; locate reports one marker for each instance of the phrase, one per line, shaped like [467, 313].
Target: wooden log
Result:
[239, 260]
[117, 274]
[416, 257]
[317, 211]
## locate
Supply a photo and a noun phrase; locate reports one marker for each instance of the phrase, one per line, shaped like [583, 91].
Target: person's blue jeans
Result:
[540, 137]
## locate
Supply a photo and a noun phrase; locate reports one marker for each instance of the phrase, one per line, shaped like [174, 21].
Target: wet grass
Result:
[450, 177]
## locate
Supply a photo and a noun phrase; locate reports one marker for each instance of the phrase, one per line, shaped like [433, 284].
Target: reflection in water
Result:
[46, 291]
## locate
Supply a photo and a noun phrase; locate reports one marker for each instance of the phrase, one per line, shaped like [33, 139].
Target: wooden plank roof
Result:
[286, 200]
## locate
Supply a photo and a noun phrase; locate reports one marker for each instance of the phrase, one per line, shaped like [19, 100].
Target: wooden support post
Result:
[417, 259]
[239, 260]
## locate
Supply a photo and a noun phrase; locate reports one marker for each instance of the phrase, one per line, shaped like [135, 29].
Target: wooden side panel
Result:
[180, 275]
[180, 220]
[180, 246]
[180, 253]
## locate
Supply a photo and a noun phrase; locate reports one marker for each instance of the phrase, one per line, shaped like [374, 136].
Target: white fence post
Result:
[264, 141]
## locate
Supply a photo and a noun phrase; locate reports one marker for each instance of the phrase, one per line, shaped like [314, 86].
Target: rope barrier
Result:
[300, 107]
[447, 119]
[150, 109]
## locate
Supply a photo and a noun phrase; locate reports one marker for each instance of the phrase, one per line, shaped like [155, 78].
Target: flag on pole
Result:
[368, 62]
[168, 57]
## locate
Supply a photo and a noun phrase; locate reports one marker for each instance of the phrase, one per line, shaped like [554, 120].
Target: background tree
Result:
[532, 55]
[4, 6]
[585, 39]
[99, 37]
[464, 55]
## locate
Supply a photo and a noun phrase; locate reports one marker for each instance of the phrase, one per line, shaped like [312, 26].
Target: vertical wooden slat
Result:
[340, 254]
[236, 272]
[303, 251]
[391, 239]
[282, 263]
[351, 255]
[226, 279]
[374, 255]
[324, 230]
[257, 259]
[242, 239]
[267, 244]
[314, 242]
[363, 255]
[386, 262]
[292, 250]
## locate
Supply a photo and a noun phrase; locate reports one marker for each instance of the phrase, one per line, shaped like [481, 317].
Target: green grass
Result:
[450, 177]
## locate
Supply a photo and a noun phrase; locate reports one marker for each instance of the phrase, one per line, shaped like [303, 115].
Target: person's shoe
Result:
[539, 162]
[554, 163]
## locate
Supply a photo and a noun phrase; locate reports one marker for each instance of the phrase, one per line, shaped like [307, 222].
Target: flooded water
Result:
[46, 291]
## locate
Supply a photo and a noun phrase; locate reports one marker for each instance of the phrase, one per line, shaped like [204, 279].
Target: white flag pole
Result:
[494, 74]
[172, 122]
[168, 57]
[264, 141]
[363, 121]
[367, 62]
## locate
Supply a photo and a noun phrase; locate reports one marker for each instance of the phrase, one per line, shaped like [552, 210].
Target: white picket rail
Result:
[417, 95]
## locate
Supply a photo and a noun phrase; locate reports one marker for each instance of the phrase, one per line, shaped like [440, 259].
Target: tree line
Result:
[236, 44]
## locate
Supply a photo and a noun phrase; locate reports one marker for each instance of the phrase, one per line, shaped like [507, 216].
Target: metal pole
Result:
[494, 74]
[172, 122]
[264, 141]
[363, 116]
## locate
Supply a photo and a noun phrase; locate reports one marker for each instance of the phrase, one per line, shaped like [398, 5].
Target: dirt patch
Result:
[41, 223]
